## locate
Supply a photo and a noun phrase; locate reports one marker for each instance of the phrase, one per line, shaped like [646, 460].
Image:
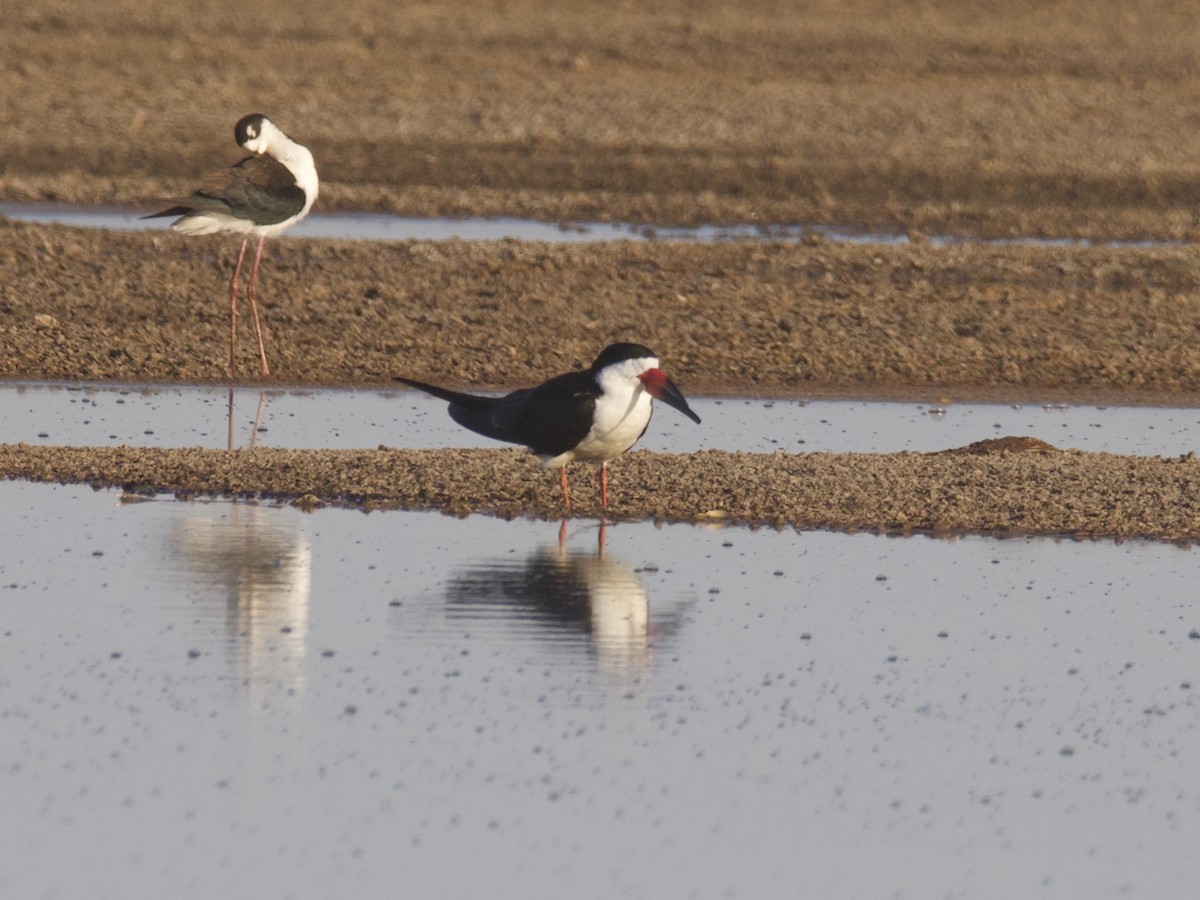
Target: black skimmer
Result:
[261, 195]
[593, 415]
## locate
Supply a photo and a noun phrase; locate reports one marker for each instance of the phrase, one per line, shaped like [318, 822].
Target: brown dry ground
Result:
[1055, 119]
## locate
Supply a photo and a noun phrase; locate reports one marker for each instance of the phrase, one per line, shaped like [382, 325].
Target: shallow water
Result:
[389, 227]
[171, 416]
[217, 699]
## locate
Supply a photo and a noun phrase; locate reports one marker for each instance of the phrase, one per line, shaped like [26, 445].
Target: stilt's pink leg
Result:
[604, 485]
[250, 292]
[562, 480]
[233, 293]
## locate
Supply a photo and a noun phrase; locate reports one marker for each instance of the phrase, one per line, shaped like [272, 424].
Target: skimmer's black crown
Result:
[615, 353]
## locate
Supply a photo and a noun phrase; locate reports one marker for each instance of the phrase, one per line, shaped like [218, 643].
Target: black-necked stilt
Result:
[261, 195]
[593, 415]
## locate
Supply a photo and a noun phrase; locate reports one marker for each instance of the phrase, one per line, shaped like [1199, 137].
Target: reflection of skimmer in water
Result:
[564, 593]
[260, 572]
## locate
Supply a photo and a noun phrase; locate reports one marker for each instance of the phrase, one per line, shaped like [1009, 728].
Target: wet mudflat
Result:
[216, 698]
[211, 699]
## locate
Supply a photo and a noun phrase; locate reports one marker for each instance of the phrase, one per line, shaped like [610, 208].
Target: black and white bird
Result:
[261, 195]
[593, 415]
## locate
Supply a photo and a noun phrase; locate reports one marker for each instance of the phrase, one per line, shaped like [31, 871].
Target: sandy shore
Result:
[1070, 120]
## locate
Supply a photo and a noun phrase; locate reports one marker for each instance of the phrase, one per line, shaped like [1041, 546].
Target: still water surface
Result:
[217, 699]
[391, 227]
[190, 416]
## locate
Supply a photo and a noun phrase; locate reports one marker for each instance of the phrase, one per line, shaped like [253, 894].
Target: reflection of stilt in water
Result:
[262, 402]
[562, 590]
[262, 571]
